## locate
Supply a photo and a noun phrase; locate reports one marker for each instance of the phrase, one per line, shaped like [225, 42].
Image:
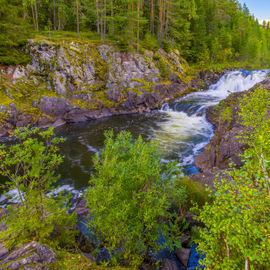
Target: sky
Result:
[260, 8]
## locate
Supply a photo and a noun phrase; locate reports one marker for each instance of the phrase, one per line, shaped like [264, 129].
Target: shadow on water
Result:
[179, 128]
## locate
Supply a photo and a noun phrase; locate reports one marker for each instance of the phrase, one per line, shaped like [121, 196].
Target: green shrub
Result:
[150, 43]
[123, 44]
[166, 45]
[30, 167]
[195, 192]
[237, 235]
[130, 196]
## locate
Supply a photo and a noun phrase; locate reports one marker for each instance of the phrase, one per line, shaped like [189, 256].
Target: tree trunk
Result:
[36, 14]
[105, 18]
[97, 12]
[138, 24]
[34, 18]
[164, 6]
[152, 18]
[247, 264]
[130, 22]
[77, 16]
[101, 21]
[160, 30]
[54, 18]
[59, 19]
[24, 11]
[167, 17]
[112, 17]
[228, 249]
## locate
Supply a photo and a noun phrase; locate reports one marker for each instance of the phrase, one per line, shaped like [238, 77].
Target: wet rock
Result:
[89, 256]
[31, 255]
[81, 209]
[183, 255]
[168, 264]
[3, 252]
[185, 241]
[224, 147]
[191, 220]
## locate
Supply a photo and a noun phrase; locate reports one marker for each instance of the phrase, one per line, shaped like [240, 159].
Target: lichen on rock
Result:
[77, 81]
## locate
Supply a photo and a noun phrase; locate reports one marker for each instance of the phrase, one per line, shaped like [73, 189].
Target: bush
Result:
[150, 43]
[30, 166]
[195, 193]
[123, 44]
[130, 196]
[237, 235]
[166, 46]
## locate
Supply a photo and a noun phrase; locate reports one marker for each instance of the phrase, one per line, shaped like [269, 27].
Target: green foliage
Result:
[30, 167]
[238, 221]
[206, 32]
[195, 192]
[14, 32]
[130, 196]
[150, 43]
[77, 261]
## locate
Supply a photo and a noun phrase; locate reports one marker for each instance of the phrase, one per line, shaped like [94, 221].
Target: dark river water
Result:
[180, 129]
[86, 139]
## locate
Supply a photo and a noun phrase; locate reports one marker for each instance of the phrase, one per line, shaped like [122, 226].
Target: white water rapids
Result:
[179, 128]
[186, 130]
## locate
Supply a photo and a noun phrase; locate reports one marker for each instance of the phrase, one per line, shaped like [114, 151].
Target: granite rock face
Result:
[224, 146]
[30, 256]
[79, 81]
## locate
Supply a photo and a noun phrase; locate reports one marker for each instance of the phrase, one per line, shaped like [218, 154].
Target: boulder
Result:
[183, 255]
[3, 252]
[81, 208]
[191, 220]
[78, 81]
[30, 256]
[168, 264]
[224, 147]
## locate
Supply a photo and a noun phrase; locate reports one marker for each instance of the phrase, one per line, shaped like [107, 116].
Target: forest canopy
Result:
[202, 30]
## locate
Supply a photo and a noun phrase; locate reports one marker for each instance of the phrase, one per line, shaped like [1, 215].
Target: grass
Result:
[220, 67]
[57, 36]
[195, 191]
[69, 261]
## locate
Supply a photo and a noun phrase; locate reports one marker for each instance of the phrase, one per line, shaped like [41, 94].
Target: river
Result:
[179, 128]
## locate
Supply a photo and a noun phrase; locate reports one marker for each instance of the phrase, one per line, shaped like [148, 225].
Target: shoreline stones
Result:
[30, 256]
[70, 82]
[224, 146]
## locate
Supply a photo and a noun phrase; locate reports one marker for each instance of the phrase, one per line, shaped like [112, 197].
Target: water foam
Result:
[186, 130]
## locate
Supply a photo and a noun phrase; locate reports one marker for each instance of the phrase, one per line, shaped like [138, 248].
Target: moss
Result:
[227, 114]
[71, 261]
[4, 99]
[101, 70]
[195, 192]
[143, 85]
[22, 94]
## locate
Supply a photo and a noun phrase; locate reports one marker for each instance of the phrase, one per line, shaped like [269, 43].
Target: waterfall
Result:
[185, 132]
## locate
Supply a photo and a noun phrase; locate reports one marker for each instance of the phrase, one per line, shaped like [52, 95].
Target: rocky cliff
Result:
[77, 81]
[224, 146]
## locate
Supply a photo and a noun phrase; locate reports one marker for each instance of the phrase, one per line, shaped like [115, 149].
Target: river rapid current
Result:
[180, 129]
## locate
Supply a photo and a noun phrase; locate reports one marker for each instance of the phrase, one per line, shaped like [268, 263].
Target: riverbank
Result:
[75, 81]
[224, 147]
